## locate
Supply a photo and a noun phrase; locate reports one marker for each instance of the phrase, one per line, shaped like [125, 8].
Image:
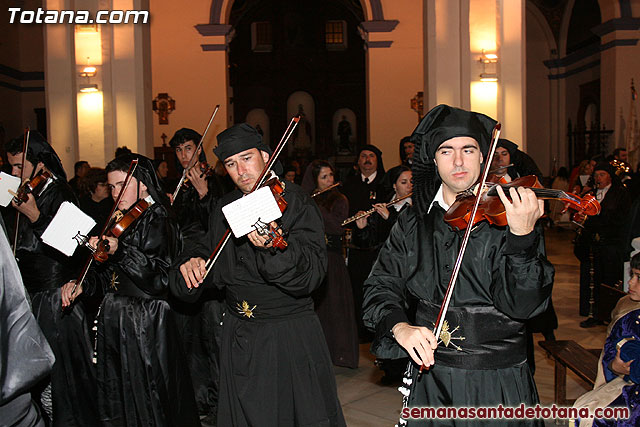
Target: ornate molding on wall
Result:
[377, 24]
[213, 29]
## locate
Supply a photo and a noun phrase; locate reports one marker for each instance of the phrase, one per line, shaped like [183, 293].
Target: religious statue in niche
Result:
[344, 136]
[163, 105]
[301, 146]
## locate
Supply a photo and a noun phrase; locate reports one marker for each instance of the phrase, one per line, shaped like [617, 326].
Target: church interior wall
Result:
[195, 79]
[21, 62]
[395, 75]
[542, 108]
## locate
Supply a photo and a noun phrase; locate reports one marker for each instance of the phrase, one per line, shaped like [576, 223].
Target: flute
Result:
[331, 187]
[370, 211]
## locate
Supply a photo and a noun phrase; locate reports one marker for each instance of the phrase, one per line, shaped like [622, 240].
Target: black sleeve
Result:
[522, 277]
[147, 260]
[385, 292]
[301, 267]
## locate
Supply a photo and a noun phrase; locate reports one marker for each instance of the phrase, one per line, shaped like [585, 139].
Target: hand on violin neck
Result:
[28, 208]
[111, 243]
[523, 210]
[199, 181]
[259, 240]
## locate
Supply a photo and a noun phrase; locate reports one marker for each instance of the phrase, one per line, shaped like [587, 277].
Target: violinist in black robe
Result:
[199, 322]
[143, 378]
[25, 355]
[275, 369]
[44, 271]
[504, 279]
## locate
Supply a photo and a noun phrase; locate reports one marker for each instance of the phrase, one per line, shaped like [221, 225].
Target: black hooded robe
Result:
[503, 280]
[275, 369]
[143, 378]
[25, 355]
[44, 270]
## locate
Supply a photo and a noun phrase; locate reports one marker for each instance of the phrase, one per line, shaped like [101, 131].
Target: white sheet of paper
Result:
[8, 182]
[68, 222]
[246, 211]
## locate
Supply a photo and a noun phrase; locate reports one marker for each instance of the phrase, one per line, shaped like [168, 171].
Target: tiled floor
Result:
[367, 403]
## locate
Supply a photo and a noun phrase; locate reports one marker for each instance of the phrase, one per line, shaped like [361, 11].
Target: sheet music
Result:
[67, 223]
[8, 182]
[246, 211]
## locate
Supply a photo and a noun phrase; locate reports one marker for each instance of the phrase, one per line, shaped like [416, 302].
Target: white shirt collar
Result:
[440, 199]
[399, 205]
[371, 177]
[601, 192]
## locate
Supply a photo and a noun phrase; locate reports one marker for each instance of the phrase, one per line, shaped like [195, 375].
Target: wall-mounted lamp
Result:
[88, 88]
[88, 71]
[489, 63]
[488, 77]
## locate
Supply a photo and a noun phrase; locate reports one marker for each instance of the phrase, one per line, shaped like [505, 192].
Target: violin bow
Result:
[261, 180]
[195, 157]
[25, 147]
[456, 269]
[85, 269]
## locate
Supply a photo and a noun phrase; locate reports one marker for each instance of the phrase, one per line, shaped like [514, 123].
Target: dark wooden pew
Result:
[569, 354]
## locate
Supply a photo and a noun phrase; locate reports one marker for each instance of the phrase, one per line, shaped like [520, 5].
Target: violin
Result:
[492, 209]
[194, 158]
[262, 179]
[33, 186]
[103, 246]
[122, 222]
[205, 170]
[277, 190]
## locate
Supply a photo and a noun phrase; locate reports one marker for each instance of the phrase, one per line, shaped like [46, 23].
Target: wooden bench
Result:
[570, 354]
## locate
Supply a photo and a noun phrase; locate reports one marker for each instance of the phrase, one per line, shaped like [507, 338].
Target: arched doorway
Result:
[281, 47]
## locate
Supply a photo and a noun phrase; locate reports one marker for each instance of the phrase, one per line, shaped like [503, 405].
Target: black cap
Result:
[239, 138]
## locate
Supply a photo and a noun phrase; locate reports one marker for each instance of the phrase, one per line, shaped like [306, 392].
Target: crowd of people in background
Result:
[369, 198]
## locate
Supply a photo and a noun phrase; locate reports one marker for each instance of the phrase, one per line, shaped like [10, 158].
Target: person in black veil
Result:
[504, 279]
[275, 368]
[143, 378]
[25, 355]
[69, 398]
